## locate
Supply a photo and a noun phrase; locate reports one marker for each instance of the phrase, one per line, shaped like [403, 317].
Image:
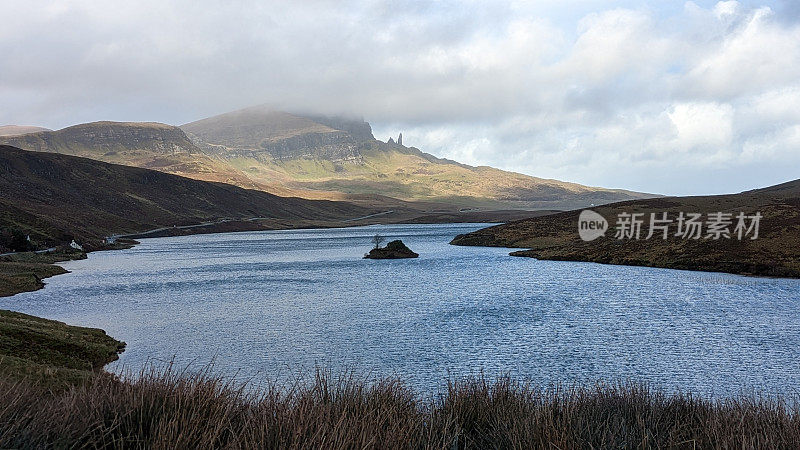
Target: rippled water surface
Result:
[281, 302]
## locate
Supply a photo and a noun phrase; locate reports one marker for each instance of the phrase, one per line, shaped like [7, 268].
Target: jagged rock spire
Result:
[400, 139]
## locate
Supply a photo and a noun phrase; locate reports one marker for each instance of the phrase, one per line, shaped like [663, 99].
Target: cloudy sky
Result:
[658, 96]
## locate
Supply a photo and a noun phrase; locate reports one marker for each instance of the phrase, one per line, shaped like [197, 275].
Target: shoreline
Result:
[26, 271]
[530, 253]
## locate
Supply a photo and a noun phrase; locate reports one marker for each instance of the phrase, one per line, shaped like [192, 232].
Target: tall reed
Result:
[167, 409]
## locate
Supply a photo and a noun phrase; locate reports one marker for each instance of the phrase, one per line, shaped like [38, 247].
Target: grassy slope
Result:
[16, 277]
[410, 175]
[24, 272]
[57, 196]
[775, 253]
[50, 352]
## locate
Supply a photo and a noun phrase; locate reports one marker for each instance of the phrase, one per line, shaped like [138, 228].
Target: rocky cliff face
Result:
[103, 137]
[333, 146]
[263, 134]
[358, 129]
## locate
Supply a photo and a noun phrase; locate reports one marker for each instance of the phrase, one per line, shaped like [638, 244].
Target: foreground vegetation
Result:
[170, 409]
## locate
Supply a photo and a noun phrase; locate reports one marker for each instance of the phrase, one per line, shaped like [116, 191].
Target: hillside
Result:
[148, 145]
[776, 251]
[56, 197]
[325, 157]
[314, 157]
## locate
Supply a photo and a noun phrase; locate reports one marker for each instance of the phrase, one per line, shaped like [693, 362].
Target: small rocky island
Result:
[393, 250]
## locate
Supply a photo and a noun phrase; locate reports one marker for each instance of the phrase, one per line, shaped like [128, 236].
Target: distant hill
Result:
[326, 157]
[54, 197]
[15, 130]
[776, 251]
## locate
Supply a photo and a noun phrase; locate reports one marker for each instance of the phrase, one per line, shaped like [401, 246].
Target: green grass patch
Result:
[24, 272]
[32, 347]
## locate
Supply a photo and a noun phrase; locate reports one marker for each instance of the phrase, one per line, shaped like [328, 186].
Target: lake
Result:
[278, 303]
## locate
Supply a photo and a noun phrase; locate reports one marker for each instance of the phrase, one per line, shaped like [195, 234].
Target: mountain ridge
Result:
[364, 165]
[16, 130]
[312, 156]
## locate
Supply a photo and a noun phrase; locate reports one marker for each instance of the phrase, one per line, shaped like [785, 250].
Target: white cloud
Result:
[774, 146]
[702, 125]
[726, 9]
[624, 93]
[778, 106]
[758, 53]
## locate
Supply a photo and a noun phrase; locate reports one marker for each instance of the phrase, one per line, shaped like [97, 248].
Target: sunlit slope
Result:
[16, 130]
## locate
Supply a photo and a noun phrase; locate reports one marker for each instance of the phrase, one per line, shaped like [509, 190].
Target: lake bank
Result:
[50, 353]
[757, 233]
[24, 272]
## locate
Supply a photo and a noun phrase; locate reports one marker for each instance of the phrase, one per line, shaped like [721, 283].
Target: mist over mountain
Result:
[259, 131]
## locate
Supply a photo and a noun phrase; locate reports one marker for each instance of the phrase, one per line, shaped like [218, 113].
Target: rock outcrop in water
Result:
[393, 250]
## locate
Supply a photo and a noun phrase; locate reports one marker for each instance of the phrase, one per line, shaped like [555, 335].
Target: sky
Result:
[668, 97]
